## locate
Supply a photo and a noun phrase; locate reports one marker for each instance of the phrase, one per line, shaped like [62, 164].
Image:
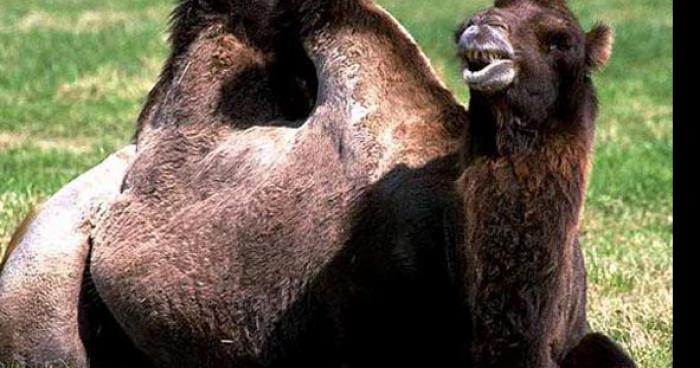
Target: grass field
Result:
[74, 73]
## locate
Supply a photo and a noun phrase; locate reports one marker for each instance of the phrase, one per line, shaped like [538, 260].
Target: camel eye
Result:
[559, 41]
[500, 26]
[558, 46]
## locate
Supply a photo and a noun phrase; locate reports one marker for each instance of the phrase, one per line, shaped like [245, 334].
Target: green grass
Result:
[74, 73]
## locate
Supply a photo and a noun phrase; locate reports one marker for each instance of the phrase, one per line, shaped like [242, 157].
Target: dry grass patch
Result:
[641, 115]
[642, 321]
[628, 257]
[108, 82]
[16, 140]
[86, 21]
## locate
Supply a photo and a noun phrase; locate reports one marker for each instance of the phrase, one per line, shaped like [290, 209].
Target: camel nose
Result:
[468, 37]
[478, 36]
[484, 37]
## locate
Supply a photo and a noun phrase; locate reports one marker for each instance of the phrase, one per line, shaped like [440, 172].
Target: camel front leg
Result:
[40, 284]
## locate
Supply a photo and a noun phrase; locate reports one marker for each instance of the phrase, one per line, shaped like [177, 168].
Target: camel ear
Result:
[599, 42]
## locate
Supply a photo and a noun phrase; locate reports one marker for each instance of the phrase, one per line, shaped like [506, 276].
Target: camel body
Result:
[269, 245]
[292, 201]
[252, 240]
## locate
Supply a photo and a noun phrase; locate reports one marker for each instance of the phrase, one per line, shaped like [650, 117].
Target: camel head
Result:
[532, 58]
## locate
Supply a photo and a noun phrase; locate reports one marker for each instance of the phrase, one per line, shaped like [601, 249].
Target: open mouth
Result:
[488, 70]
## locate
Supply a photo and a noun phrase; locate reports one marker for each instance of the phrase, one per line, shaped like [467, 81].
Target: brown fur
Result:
[601, 36]
[526, 171]
[247, 236]
[42, 291]
[291, 204]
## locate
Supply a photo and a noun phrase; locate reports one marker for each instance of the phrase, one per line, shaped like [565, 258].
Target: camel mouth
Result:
[488, 70]
[488, 57]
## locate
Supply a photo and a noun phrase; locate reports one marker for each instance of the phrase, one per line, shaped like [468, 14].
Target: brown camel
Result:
[532, 116]
[284, 207]
[289, 202]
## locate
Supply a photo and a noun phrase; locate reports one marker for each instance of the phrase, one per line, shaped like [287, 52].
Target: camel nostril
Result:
[473, 29]
[485, 42]
[468, 37]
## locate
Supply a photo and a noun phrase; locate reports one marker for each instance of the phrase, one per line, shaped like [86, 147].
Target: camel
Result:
[289, 200]
[262, 221]
[526, 163]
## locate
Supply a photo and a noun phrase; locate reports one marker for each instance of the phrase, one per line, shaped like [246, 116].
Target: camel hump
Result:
[253, 20]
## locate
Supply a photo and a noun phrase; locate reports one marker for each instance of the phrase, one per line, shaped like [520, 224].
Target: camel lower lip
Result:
[494, 77]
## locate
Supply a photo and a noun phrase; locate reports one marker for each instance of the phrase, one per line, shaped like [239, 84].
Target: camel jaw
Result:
[495, 76]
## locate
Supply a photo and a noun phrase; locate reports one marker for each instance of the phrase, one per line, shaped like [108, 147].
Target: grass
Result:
[74, 73]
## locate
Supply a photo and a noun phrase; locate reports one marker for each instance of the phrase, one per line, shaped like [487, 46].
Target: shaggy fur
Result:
[527, 160]
[291, 203]
[267, 222]
[248, 238]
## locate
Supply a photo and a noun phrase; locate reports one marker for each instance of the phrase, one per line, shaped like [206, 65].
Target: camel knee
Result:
[596, 350]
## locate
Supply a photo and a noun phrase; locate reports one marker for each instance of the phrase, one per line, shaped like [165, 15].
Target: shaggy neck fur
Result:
[524, 189]
[498, 128]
